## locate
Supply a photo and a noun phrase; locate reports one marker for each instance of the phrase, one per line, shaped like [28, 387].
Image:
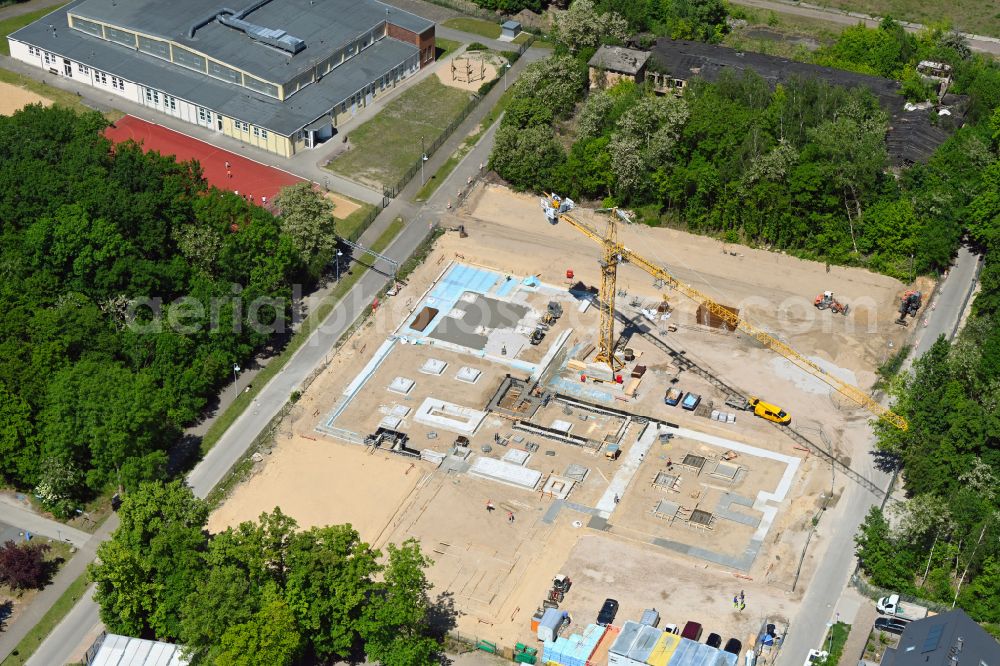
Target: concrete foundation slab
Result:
[448, 415]
[516, 456]
[558, 487]
[402, 385]
[468, 375]
[505, 472]
[433, 366]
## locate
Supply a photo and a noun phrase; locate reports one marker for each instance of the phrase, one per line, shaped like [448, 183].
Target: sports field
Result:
[248, 177]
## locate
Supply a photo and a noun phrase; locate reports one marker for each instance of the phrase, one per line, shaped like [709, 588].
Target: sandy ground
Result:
[318, 482]
[497, 572]
[13, 98]
[342, 205]
[474, 70]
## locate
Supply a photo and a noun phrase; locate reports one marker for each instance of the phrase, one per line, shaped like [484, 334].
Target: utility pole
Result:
[423, 158]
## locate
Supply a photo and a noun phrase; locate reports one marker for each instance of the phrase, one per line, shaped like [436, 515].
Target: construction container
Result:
[690, 653]
[664, 650]
[580, 647]
[550, 624]
[599, 657]
[650, 617]
[617, 653]
[643, 645]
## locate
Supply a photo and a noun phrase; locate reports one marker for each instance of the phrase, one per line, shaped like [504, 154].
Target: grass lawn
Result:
[385, 238]
[475, 26]
[385, 147]
[442, 173]
[981, 17]
[522, 38]
[442, 47]
[54, 616]
[57, 95]
[834, 642]
[16, 23]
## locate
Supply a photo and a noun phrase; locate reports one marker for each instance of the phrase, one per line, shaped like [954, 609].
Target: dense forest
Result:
[129, 289]
[944, 543]
[801, 168]
[264, 592]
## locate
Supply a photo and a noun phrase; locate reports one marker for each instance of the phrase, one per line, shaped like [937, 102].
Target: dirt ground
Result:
[13, 98]
[319, 484]
[343, 205]
[496, 571]
[470, 72]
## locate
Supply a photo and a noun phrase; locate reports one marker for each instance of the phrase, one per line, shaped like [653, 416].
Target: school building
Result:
[277, 74]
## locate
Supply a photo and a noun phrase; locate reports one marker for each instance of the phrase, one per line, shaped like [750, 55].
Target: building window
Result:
[83, 68]
[220, 71]
[241, 126]
[32, 51]
[256, 131]
[102, 77]
[189, 59]
[121, 36]
[170, 101]
[203, 115]
[48, 60]
[87, 26]
[263, 134]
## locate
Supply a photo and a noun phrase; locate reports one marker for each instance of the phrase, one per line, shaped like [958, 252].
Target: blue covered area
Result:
[458, 280]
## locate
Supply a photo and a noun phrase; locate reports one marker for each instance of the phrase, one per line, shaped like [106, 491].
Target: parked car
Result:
[692, 631]
[815, 656]
[608, 612]
[713, 640]
[733, 646]
[670, 629]
[892, 625]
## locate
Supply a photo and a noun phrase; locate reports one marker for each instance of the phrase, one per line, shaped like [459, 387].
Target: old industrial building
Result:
[914, 133]
[276, 74]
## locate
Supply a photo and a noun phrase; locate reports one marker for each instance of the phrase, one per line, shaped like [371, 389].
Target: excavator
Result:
[910, 304]
[827, 301]
[557, 210]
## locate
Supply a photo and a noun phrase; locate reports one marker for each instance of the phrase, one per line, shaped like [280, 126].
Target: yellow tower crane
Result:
[557, 209]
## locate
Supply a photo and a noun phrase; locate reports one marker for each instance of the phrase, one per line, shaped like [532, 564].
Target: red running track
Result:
[248, 177]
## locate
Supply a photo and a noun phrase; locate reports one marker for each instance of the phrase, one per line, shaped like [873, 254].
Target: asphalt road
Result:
[83, 620]
[833, 573]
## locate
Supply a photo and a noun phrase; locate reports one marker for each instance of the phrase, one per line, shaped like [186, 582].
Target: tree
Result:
[307, 218]
[329, 586]
[557, 80]
[18, 443]
[150, 567]
[880, 558]
[60, 481]
[23, 566]
[398, 633]
[526, 158]
[583, 27]
[269, 638]
[979, 597]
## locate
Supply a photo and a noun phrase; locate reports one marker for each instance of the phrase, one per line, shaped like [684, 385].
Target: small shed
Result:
[510, 29]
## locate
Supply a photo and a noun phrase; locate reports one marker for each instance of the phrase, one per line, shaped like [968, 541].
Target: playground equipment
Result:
[469, 68]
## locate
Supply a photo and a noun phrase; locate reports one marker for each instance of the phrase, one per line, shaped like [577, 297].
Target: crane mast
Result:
[557, 209]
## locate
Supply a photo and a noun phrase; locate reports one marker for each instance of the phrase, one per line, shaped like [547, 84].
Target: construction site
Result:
[565, 407]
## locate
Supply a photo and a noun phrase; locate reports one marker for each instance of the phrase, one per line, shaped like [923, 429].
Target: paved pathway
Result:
[981, 43]
[13, 513]
[82, 623]
[829, 582]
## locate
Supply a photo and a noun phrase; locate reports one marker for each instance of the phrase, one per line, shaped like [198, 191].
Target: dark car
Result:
[713, 640]
[608, 612]
[733, 646]
[892, 625]
[692, 631]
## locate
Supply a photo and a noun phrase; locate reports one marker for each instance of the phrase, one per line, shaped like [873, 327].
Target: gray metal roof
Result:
[324, 25]
[125, 651]
[243, 104]
[933, 641]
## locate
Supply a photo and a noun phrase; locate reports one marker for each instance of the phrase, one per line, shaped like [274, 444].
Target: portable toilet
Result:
[551, 622]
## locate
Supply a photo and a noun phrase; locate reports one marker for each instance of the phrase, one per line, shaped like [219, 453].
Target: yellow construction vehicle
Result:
[557, 209]
[766, 410]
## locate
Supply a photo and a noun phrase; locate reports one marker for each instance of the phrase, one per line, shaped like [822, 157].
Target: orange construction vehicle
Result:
[826, 300]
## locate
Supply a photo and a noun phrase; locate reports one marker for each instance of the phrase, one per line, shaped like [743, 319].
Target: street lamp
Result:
[829, 630]
[339, 255]
[423, 158]
[236, 368]
[505, 76]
